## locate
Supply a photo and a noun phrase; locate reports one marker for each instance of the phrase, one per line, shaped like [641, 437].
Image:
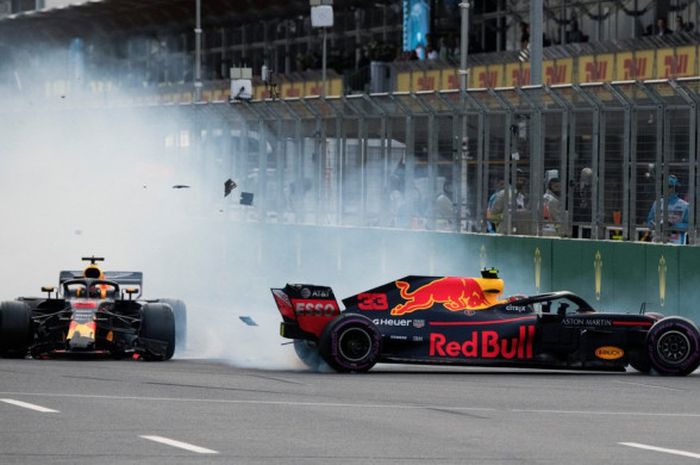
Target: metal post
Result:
[323, 72]
[536, 20]
[463, 75]
[464, 45]
[198, 53]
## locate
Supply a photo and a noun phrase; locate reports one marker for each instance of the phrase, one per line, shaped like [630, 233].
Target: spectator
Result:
[495, 213]
[682, 26]
[582, 200]
[524, 35]
[661, 28]
[552, 208]
[432, 53]
[676, 211]
[575, 34]
[443, 51]
[444, 207]
[491, 225]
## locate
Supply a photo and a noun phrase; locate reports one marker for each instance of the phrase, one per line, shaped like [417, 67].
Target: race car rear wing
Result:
[123, 278]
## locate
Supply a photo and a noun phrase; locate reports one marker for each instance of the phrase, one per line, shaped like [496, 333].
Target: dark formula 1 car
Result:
[463, 321]
[93, 312]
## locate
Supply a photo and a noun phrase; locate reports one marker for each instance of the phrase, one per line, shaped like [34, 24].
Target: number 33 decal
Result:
[369, 301]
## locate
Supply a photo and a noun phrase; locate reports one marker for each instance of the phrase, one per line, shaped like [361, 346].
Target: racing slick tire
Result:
[16, 330]
[673, 346]
[180, 313]
[350, 343]
[157, 332]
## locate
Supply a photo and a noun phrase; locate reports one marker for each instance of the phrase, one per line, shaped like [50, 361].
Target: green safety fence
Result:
[611, 275]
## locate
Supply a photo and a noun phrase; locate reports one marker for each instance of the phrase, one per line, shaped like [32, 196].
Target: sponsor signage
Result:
[587, 322]
[313, 307]
[609, 353]
[485, 344]
[455, 294]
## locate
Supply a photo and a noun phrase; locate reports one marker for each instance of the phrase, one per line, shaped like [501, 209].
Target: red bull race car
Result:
[93, 313]
[465, 321]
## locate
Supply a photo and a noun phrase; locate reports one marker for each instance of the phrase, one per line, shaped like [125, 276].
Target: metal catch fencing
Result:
[589, 161]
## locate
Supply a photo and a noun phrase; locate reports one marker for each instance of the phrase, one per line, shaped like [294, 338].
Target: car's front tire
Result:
[16, 331]
[673, 345]
[350, 343]
[180, 314]
[157, 332]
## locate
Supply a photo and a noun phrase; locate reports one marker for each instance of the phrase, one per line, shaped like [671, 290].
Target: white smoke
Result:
[76, 182]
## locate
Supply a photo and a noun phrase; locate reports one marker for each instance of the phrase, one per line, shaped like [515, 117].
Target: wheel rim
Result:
[354, 344]
[673, 347]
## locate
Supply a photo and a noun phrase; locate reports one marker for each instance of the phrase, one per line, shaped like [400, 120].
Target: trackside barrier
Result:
[612, 276]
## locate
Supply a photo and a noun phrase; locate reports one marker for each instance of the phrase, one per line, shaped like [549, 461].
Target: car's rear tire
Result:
[16, 331]
[350, 343]
[180, 313]
[157, 332]
[673, 345]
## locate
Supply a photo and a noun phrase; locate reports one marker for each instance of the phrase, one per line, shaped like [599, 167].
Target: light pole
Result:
[464, 45]
[198, 53]
[322, 16]
[464, 140]
[536, 30]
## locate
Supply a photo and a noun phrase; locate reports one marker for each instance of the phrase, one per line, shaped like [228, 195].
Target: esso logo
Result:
[314, 309]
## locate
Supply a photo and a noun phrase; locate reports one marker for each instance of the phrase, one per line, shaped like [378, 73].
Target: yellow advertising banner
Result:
[425, 80]
[517, 74]
[449, 79]
[558, 71]
[672, 63]
[635, 65]
[259, 93]
[335, 87]
[488, 76]
[312, 88]
[474, 73]
[403, 82]
[645, 64]
[291, 89]
[596, 68]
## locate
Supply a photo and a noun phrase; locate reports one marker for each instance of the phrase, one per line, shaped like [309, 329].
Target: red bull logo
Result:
[455, 294]
[84, 330]
[485, 344]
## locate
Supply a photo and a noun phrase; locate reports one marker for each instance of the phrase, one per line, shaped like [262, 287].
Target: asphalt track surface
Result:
[192, 412]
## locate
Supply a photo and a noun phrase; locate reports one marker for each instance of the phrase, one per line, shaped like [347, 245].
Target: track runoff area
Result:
[183, 411]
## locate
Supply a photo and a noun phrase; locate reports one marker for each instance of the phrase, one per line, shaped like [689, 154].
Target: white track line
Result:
[34, 407]
[661, 449]
[465, 408]
[179, 444]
